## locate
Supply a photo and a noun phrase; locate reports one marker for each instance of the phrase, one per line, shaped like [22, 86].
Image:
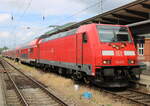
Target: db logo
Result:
[120, 62]
[119, 53]
[52, 50]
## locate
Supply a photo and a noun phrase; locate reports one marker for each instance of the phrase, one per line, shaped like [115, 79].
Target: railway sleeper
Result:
[138, 97]
[123, 93]
[132, 96]
[144, 100]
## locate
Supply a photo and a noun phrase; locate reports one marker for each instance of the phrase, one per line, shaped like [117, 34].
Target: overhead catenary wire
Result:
[26, 9]
[101, 2]
[22, 15]
[101, 7]
[85, 9]
[19, 8]
[12, 17]
[79, 12]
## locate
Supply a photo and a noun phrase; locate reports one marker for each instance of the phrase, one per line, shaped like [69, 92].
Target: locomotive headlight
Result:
[106, 61]
[129, 53]
[107, 52]
[131, 61]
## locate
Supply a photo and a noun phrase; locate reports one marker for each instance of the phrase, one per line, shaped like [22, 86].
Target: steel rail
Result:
[126, 97]
[23, 100]
[3, 87]
[147, 94]
[130, 94]
[129, 98]
[57, 99]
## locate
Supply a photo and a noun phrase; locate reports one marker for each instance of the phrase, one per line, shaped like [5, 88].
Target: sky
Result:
[22, 20]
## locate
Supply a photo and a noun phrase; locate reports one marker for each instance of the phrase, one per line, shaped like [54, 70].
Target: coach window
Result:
[31, 50]
[84, 38]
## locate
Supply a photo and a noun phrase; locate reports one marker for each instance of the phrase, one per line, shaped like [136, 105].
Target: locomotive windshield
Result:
[113, 34]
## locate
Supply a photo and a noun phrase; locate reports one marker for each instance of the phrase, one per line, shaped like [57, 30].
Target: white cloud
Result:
[4, 34]
[46, 7]
[58, 7]
[4, 17]
[25, 35]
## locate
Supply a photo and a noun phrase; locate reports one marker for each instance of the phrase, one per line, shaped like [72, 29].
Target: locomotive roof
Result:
[52, 32]
[60, 27]
[29, 44]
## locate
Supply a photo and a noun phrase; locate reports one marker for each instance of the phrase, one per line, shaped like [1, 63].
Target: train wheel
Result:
[138, 76]
[74, 77]
[79, 75]
[44, 69]
[86, 80]
[60, 71]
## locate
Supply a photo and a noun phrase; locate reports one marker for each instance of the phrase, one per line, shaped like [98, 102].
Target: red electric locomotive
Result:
[100, 53]
[94, 52]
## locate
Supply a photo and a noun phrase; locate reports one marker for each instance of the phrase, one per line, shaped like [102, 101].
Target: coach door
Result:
[79, 50]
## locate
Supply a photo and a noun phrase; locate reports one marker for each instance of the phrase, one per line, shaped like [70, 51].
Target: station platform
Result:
[2, 103]
[146, 72]
[144, 81]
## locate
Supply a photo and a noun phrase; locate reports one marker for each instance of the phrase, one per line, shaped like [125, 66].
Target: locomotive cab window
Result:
[113, 34]
[84, 38]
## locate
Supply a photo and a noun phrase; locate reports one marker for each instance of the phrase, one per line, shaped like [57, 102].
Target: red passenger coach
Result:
[105, 53]
[29, 52]
[11, 53]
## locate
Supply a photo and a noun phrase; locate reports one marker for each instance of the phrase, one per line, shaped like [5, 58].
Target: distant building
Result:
[141, 31]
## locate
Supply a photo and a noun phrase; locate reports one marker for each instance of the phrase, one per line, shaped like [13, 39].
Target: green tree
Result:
[4, 48]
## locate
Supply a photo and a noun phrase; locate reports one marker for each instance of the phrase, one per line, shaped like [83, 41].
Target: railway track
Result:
[129, 94]
[133, 95]
[22, 90]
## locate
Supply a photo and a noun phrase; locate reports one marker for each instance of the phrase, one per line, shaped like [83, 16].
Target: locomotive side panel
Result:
[73, 51]
[61, 49]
